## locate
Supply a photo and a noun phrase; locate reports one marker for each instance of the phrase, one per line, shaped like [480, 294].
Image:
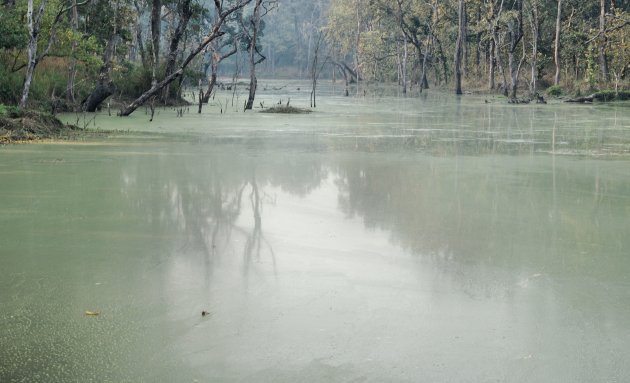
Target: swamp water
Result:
[379, 239]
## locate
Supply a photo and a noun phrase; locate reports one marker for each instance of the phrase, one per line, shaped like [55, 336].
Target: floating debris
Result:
[92, 313]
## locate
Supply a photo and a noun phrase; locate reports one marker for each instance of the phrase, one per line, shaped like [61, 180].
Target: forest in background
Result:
[74, 55]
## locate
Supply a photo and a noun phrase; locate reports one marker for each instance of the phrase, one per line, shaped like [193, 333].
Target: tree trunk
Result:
[105, 87]
[72, 68]
[492, 64]
[404, 64]
[535, 24]
[103, 90]
[33, 30]
[215, 33]
[253, 81]
[603, 61]
[156, 29]
[139, 38]
[213, 77]
[556, 48]
[459, 48]
[175, 39]
[515, 31]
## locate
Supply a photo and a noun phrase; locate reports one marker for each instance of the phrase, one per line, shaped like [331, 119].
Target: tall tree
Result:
[34, 21]
[603, 60]
[461, 17]
[255, 57]
[556, 47]
[156, 31]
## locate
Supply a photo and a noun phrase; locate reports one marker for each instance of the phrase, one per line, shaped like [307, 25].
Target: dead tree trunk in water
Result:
[214, 68]
[214, 33]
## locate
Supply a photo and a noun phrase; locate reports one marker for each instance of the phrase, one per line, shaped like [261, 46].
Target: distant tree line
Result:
[503, 46]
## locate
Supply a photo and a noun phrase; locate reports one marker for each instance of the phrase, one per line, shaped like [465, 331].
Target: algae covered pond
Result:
[377, 239]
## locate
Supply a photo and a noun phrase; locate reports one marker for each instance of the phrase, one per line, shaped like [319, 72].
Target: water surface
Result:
[379, 239]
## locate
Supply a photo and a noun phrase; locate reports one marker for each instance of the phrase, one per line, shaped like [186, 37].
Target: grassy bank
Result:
[17, 125]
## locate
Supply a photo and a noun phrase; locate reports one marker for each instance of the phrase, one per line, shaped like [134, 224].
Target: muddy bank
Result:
[28, 125]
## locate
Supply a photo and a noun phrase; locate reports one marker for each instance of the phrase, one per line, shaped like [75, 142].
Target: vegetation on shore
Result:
[286, 109]
[18, 125]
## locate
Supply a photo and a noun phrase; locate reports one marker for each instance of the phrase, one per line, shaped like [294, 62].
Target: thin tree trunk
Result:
[404, 64]
[535, 24]
[72, 68]
[156, 30]
[515, 30]
[175, 39]
[603, 61]
[139, 38]
[33, 30]
[459, 49]
[492, 64]
[556, 50]
[253, 81]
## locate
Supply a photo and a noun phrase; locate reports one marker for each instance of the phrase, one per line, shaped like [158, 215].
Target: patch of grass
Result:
[283, 109]
[17, 125]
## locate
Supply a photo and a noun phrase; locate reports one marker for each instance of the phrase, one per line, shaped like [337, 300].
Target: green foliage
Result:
[555, 91]
[13, 33]
[132, 80]
[10, 85]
